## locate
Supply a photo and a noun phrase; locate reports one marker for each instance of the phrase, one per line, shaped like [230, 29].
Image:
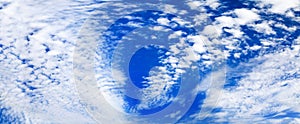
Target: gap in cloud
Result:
[6, 115]
[142, 62]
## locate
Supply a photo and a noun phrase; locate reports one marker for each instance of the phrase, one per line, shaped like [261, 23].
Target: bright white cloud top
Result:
[43, 53]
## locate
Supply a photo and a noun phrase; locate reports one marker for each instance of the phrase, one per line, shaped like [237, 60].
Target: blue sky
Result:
[54, 61]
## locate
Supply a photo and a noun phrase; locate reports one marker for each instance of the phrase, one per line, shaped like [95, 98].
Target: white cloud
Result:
[212, 84]
[245, 16]
[163, 21]
[170, 8]
[255, 47]
[194, 4]
[226, 21]
[212, 31]
[199, 43]
[200, 19]
[213, 3]
[290, 29]
[263, 91]
[176, 34]
[279, 6]
[263, 27]
[260, 85]
[159, 28]
[235, 32]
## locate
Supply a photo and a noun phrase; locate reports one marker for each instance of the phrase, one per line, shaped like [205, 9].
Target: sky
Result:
[60, 61]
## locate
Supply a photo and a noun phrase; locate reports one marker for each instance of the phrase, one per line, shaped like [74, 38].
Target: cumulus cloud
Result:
[277, 6]
[38, 46]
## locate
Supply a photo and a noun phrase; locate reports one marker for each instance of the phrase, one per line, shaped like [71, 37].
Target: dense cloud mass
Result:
[238, 61]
